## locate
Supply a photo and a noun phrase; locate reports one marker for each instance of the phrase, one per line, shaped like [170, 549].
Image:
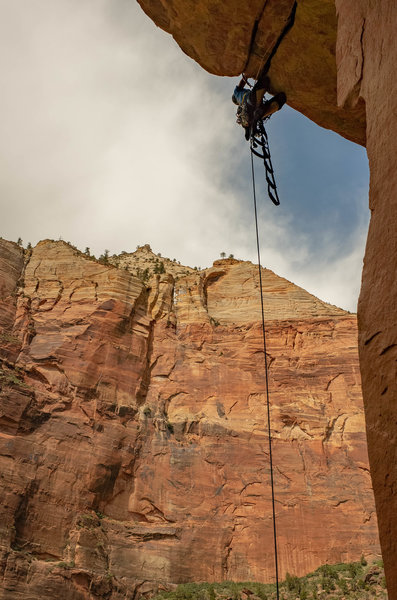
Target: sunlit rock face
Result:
[227, 38]
[133, 444]
[337, 66]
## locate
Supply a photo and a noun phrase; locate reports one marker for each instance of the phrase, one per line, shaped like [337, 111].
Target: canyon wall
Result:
[337, 66]
[133, 444]
[368, 30]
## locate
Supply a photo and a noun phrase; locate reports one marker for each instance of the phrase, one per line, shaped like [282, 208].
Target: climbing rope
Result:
[264, 66]
[259, 146]
[266, 371]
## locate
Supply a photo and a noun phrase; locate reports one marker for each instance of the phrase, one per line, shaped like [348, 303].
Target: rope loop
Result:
[259, 145]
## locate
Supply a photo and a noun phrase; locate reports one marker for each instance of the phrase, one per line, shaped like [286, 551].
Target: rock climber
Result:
[251, 107]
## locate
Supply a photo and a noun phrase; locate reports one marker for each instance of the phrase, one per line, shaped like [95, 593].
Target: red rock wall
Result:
[337, 66]
[367, 57]
[147, 405]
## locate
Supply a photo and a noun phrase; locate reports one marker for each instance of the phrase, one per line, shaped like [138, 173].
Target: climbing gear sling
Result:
[251, 117]
[243, 115]
[259, 144]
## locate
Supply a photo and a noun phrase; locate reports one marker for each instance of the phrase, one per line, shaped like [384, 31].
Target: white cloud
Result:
[112, 137]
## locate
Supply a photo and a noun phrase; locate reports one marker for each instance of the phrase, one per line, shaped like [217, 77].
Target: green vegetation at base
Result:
[350, 581]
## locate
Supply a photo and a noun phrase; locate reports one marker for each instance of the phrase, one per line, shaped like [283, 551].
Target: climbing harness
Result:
[259, 144]
[242, 115]
[266, 377]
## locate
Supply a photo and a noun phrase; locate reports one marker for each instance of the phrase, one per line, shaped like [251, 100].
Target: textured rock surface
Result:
[133, 449]
[362, 70]
[227, 38]
[367, 44]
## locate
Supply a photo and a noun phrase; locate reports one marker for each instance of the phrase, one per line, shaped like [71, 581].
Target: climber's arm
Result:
[239, 91]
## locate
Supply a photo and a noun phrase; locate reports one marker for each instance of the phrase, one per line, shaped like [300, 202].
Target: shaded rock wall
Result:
[367, 70]
[133, 449]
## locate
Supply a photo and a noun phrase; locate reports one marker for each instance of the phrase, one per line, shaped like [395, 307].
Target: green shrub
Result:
[353, 569]
[159, 267]
[303, 594]
[65, 565]
[342, 584]
[292, 582]
[379, 563]
[9, 378]
[329, 582]
[104, 258]
[8, 338]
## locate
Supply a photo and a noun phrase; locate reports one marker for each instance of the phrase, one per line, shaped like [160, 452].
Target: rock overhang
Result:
[227, 38]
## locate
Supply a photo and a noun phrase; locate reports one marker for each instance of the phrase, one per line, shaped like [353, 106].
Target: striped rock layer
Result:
[133, 442]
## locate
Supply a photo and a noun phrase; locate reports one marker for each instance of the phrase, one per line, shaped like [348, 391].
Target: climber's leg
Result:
[261, 86]
[271, 106]
[258, 91]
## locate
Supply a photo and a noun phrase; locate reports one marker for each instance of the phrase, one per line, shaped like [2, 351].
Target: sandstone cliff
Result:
[133, 447]
[337, 66]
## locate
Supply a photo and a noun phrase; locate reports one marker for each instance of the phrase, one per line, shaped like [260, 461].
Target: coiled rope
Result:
[266, 376]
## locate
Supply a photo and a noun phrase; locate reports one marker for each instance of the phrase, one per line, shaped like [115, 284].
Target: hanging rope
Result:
[266, 376]
[259, 144]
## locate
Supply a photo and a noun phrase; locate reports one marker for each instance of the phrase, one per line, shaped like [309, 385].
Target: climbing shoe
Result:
[270, 106]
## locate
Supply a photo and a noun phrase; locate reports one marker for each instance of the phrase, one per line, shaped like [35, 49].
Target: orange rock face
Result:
[133, 444]
[337, 66]
[368, 71]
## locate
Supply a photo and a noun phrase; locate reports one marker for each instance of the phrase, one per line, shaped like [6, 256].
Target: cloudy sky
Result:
[111, 137]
